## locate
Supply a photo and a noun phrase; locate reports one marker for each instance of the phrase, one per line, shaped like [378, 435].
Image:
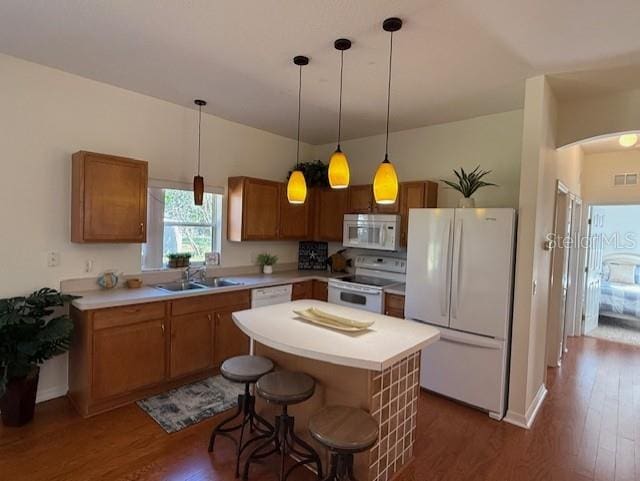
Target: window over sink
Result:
[176, 225]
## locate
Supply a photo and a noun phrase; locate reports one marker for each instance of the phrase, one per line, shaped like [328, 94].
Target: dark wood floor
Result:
[588, 429]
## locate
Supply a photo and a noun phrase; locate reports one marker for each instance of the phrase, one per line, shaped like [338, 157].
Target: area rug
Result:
[187, 405]
[611, 331]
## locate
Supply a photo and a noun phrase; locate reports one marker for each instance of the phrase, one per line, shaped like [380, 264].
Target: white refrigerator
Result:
[460, 279]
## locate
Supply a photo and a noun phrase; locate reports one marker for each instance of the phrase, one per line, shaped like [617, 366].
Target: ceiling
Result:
[453, 59]
[609, 143]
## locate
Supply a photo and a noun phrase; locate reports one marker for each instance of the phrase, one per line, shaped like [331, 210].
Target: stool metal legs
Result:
[341, 468]
[255, 422]
[284, 441]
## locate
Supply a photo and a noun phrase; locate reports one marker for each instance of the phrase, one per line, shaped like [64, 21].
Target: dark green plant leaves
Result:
[28, 333]
[315, 173]
[468, 183]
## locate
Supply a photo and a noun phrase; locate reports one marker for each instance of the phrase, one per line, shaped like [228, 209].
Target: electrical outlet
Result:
[88, 265]
[53, 259]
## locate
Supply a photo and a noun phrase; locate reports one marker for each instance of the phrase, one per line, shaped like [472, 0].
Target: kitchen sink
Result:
[207, 283]
[179, 286]
[218, 282]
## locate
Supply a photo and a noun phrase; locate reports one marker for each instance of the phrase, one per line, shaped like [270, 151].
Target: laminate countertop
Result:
[99, 299]
[388, 340]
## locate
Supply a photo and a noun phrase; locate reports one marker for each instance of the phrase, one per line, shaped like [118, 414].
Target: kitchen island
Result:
[377, 370]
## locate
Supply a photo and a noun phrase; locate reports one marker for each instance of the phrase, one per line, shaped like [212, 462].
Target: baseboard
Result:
[51, 393]
[526, 421]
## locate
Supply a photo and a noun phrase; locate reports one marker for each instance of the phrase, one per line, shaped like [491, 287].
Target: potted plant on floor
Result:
[468, 184]
[267, 261]
[30, 334]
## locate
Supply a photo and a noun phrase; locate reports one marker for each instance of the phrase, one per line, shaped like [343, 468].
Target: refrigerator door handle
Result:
[475, 343]
[455, 276]
[445, 298]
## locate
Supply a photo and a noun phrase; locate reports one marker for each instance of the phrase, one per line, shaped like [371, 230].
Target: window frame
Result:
[155, 227]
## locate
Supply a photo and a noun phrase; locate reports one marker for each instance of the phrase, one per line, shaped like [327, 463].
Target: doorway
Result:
[612, 286]
[564, 292]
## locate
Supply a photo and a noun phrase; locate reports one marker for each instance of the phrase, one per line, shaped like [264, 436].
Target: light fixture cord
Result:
[386, 146]
[340, 102]
[199, 124]
[299, 108]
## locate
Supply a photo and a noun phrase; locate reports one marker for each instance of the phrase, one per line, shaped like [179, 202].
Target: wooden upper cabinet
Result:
[360, 199]
[331, 206]
[415, 195]
[108, 198]
[253, 209]
[295, 219]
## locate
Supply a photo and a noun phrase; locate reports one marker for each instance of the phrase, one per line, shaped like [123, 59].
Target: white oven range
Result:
[365, 289]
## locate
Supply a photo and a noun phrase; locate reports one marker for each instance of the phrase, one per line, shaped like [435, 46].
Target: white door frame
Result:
[573, 317]
[556, 312]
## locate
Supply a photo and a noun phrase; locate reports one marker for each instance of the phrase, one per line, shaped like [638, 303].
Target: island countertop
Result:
[387, 341]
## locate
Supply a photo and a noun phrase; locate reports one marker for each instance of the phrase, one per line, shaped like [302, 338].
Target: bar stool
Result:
[344, 431]
[285, 388]
[247, 370]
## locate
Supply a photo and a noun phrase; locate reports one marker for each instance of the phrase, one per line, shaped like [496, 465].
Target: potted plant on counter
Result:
[179, 259]
[468, 184]
[30, 333]
[267, 261]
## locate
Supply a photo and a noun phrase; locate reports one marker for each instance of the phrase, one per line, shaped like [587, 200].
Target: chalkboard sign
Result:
[312, 256]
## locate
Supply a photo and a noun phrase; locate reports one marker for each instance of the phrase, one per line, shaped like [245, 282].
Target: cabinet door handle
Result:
[209, 316]
[162, 326]
[141, 227]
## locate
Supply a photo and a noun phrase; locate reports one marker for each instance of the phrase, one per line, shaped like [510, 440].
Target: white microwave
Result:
[371, 231]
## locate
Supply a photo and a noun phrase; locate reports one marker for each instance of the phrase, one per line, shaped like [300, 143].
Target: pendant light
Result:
[385, 182]
[297, 186]
[198, 181]
[338, 163]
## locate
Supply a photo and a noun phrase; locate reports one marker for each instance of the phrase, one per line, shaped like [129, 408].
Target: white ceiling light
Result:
[628, 140]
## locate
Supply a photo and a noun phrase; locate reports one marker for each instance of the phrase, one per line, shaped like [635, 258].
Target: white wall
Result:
[542, 167]
[599, 170]
[46, 115]
[621, 229]
[584, 118]
[491, 141]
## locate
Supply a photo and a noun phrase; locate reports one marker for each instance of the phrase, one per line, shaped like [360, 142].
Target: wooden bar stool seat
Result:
[285, 388]
[246, 370]
[344, 431]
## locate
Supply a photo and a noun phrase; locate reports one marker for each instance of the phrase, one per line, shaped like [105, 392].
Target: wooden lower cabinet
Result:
[302, 290]
[191, 345]
[229, 339]
[394, 305]
[320, 290]
[126, 358]
[122, 354]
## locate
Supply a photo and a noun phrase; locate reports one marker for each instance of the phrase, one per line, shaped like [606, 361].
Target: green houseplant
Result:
[315, 173]
[30, 333]
[468, 184]
[179, 259]
[267, 261]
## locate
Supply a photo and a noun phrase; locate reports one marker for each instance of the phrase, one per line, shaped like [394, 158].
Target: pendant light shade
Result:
[338, 163]
[297, 185]
[338, 170]
[297, 188]
[385, 182]
[198, 181]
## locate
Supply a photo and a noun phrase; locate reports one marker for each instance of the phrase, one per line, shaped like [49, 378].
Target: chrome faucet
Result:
[190, 272]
